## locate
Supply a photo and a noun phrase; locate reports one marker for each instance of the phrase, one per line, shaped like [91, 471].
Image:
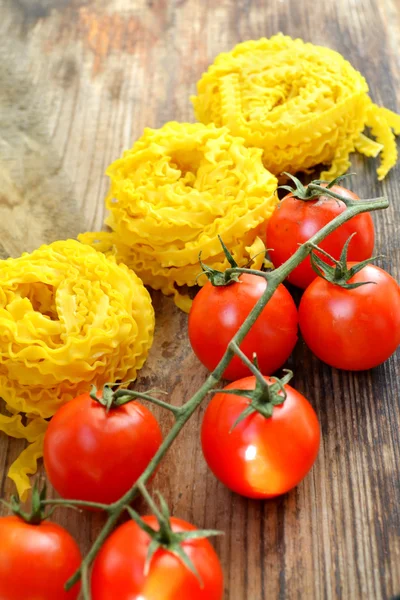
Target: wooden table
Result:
[78, 82]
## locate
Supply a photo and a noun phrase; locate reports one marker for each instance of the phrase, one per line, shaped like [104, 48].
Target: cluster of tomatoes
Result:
[349, 326]
[95, 454]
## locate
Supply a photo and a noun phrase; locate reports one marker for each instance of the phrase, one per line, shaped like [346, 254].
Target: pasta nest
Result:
[69, 318]
[173, 193]
[301, 104]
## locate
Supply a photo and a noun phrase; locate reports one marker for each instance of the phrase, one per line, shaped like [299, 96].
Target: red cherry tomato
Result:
[119, 569]
[294, 221]
[353, 329]
[218, 312]
[260, 457]
[36, 561]
[93, 455]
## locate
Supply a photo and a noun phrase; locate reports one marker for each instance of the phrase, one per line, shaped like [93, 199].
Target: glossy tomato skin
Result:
[119, 569]
[218, 312]
[93, 455]
[260, 457]
[294, 221]
[354, 329]
[36, 561]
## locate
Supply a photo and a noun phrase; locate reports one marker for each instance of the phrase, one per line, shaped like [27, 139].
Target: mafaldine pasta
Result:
[173, 193]
[301, 104]
[69, 318]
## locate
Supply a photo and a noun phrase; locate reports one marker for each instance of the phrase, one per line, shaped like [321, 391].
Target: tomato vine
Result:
[182, 414]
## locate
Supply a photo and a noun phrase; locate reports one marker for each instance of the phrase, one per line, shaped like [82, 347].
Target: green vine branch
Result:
[253, 366]
[124, 396]
[182, 414]
[76, 504]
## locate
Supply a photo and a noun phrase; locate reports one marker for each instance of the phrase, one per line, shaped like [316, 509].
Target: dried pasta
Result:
[301, 104]
[173, 193]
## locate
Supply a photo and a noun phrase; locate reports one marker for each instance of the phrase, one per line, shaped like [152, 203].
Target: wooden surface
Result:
[78, 82]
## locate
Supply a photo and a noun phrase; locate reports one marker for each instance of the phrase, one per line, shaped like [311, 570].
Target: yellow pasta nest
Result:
[69, 318]
[173, 193]
[301, 104]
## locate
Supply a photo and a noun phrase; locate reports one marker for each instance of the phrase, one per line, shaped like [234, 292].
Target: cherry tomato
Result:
[353, 329]
[260, 457]
[119, 569]
[93, 455]
[218, 312]
[294, 221]
[36, 561]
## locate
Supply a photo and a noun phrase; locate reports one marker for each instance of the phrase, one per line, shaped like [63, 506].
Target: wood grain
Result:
[79, 80]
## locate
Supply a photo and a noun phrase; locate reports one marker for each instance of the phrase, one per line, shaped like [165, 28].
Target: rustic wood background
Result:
[79, 80]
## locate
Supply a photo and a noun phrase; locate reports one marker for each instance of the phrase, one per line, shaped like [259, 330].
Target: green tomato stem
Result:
[125, 396]
[85, 581]
[75, 503]
[264, 274]
[252, 366]
[324, 191]
[183, 414]
[151, 504]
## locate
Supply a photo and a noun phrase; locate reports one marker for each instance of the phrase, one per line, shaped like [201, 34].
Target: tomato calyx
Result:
[111, 399]
[316, 188]
[165, 537]
[106, 398]
[230, 275]
[113, 395]
[339, 274]
[264, 396]
[37, 513]
[221, 278]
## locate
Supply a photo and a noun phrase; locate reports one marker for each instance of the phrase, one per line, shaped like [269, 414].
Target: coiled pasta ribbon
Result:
[301, 104]
[173, 193]
[69, 318]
